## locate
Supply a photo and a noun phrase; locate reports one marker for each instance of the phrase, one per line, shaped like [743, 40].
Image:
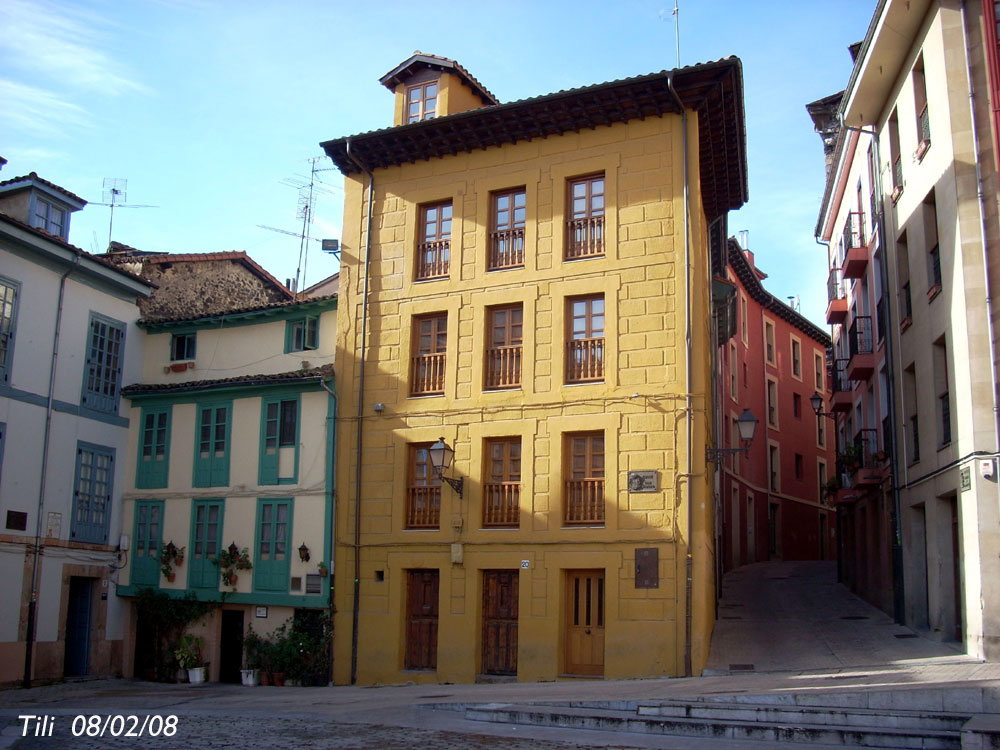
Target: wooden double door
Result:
[584, 634]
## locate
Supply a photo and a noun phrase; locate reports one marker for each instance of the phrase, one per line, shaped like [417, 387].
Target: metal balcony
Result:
[836, 308]
[861, 364]
[840, 384]
[855, 248]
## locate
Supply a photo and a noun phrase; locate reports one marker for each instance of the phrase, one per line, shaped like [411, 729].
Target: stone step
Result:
[806, 715]
[718, 728]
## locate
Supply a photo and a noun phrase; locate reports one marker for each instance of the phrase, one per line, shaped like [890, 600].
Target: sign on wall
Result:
[644, 481]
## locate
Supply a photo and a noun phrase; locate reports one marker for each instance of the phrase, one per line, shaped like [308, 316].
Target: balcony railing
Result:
[433, 260]
[584, 502]
[427, 374]
[839, 382]
[502, 504]
[423, 507]
[924, 120]
[866, 448]
[854, 230]
[506, 249]
[503, 367]
[585, 238]
[860, 335]
[834, 286]
[585, 360]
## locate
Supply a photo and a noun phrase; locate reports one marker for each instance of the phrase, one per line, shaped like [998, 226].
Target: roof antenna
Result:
[677, 28]
[114, 196]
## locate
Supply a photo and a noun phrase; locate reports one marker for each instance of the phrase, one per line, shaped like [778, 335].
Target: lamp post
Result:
[441, 457]
[747, 426]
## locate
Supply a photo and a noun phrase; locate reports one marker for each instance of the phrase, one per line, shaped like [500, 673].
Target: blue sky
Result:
[210, 109]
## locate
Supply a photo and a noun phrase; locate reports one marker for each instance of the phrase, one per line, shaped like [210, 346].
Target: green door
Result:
[148, 538]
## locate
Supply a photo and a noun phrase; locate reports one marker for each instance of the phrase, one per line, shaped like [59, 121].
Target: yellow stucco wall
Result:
[453, 97]
[639, 406]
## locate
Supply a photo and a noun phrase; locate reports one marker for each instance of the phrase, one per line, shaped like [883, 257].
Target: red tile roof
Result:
[33, 177]
[314, 373]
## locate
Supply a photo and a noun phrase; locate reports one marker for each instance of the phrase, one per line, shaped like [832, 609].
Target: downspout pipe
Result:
[29, 640]
[688, 377]
[361, 412]
[331, 490]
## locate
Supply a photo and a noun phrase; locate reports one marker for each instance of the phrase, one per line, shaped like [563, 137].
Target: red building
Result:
[773, 504]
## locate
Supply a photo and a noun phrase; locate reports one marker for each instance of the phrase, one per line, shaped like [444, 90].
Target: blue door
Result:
[81, 591]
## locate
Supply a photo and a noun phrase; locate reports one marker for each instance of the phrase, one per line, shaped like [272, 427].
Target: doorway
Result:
[500, 589]
[231, 646]
[78, 612]
[585, 623]
[421, 619]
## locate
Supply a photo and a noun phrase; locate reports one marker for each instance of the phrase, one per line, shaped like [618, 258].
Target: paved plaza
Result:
[797, 632]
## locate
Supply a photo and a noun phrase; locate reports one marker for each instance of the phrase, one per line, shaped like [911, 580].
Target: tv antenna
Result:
[306, 202]
[114, 197]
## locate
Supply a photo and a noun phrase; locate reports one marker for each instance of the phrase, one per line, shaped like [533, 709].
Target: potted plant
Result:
[323, 571]
[170, 557]
[230, 560]
[188, 655]
[250, 674]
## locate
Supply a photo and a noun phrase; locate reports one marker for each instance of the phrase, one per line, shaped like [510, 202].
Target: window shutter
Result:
[268, 468]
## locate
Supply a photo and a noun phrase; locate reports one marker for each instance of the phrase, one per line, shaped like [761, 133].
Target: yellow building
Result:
[522, 280]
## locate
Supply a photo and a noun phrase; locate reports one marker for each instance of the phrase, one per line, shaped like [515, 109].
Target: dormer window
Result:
[421, 101]
[49, 217]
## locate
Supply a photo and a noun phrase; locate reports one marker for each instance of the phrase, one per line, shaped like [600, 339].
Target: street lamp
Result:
[817, 404]
[441, 457]
[747, 426]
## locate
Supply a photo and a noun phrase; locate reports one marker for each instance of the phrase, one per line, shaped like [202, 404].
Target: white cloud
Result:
[29, 109]
[63, 44]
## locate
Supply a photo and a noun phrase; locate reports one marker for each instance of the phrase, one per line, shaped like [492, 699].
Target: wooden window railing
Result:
[433, 260]
[584, 502]
[585, 360]
[503, 367]
[585, 238]
[506, 249]
[423, 507]
[502, 504]
[427, 374]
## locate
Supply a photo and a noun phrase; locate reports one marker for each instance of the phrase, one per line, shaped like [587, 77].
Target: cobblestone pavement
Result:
[306, 733]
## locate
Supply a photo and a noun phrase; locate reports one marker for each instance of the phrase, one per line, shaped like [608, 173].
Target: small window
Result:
[819, 363]
[92, 493]
[796, 405]
[585, 218]
[182, 346]
[774, 468]
[503, 355]
[427, 363]
[772, 402]
[584, 472]
[421, 102]
[920, 104]
[798, 466]
[507, 231]
[8, 308]
[434, 242]
[49, 217]
[743, 320]
[585, 339]
[423, 490]
[302, 334]
[769, 342]
[103, 371]
[796, 359]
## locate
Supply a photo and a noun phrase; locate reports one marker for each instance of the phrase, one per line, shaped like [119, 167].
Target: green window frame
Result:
[279, 440]
[302, 334]
[207, 516]
[147, 536]
[273, 544]
[212, 443]
[153, 461]
[182, 346]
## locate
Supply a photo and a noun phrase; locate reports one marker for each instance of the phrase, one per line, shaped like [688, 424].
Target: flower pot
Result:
[179, 366]
[196, 675]
[265, 678]
[279, 678]
[250, 677]
[171, 577]
[233, 579]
